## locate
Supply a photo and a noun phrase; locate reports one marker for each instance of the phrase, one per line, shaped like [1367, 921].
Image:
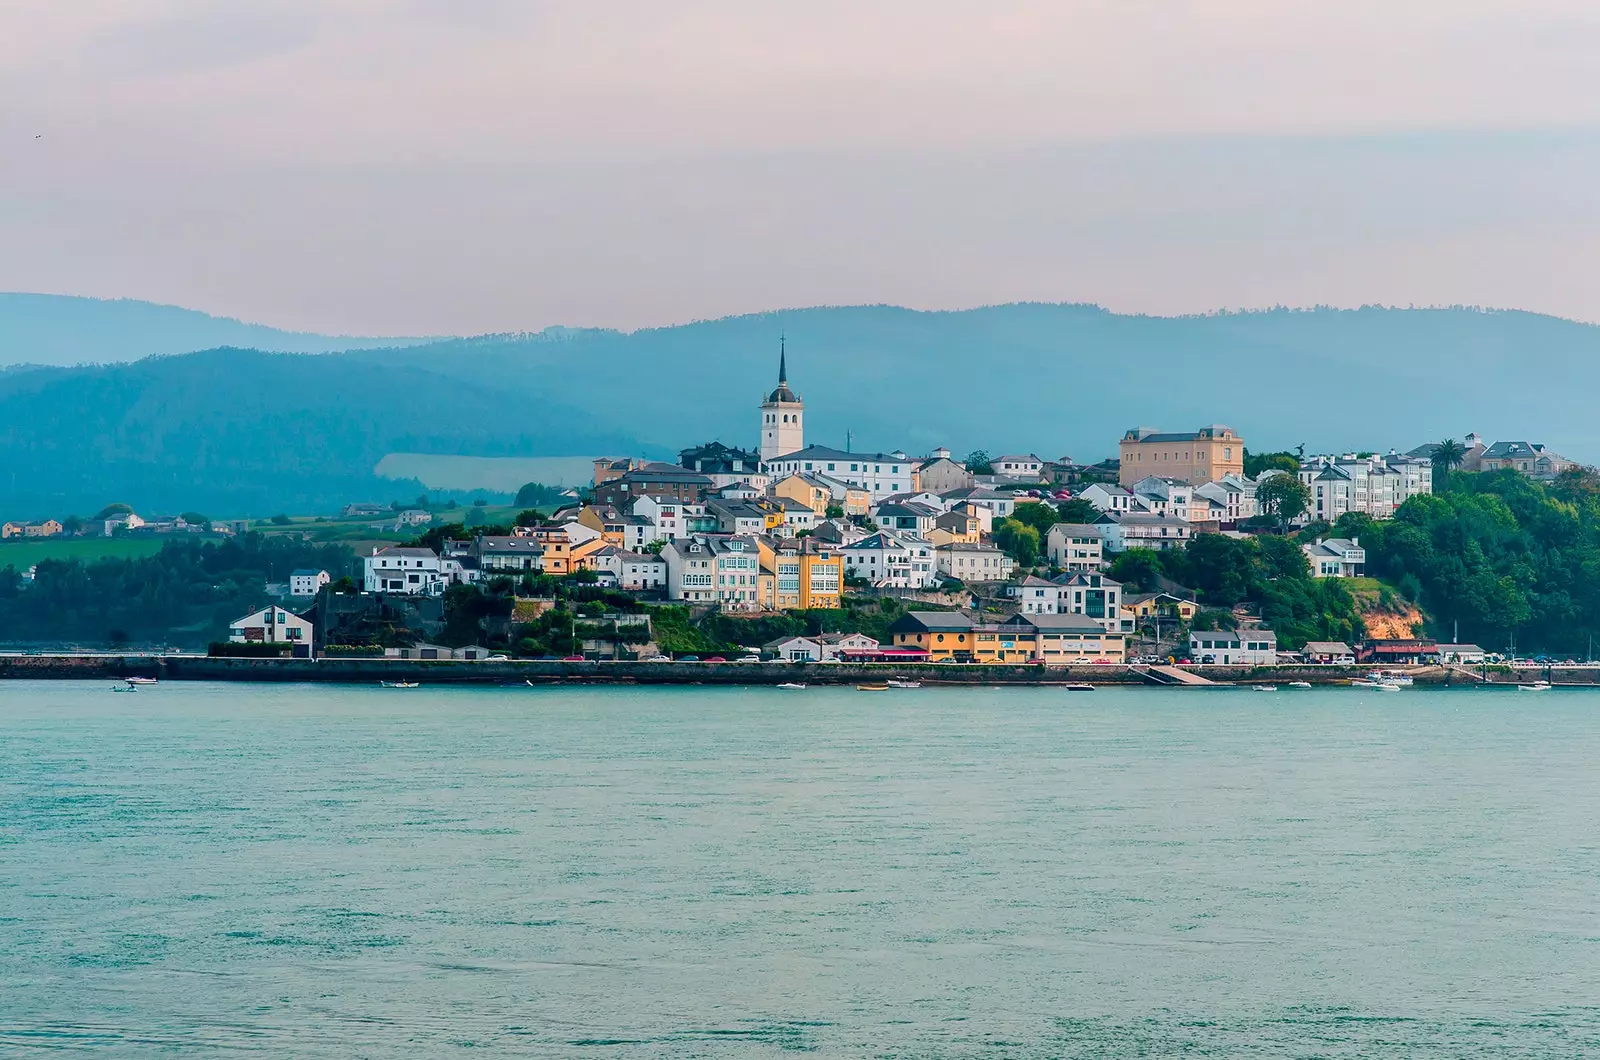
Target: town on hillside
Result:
[1006, 558]
[1185, 546]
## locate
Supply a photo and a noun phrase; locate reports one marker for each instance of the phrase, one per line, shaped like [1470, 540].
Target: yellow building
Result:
[1194, 456]
[582, 555]
[1070, 640]
[1005, 644]
[802, 576]
[956, 528]
[942, 634]
[11, 530]
[802, 490]
[47, 528]
[606, 521]
[557, 548]
[1150, 605]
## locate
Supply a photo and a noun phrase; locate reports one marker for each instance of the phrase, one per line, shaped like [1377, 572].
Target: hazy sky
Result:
[433, 166]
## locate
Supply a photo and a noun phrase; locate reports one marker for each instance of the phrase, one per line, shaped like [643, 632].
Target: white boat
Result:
[896, 682]
[1266, 688]
[1393, 677]
[1079, 688]
[398, 684]
[1356, 682]
[1299, 684]
[791, 686]
[124, 688]
[1387, 686]
[140, 680]
[1537, 686]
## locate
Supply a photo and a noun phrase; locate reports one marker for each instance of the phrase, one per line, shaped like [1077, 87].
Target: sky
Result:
[412, 167]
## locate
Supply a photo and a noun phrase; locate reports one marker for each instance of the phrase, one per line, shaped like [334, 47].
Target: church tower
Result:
[782, 415]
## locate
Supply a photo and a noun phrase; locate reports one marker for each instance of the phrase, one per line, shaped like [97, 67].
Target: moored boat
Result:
[398, 684]
[1537, 686]
[896, 682]
[140, 680]
[876, 686]
[791, 686]
[1299, 684]
[1266, 688]
[1079, 688]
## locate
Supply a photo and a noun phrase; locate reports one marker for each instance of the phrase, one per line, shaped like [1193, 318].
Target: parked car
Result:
[748, 659]
[688, 658]
[497, 658]
[573, 658]
[716, 658]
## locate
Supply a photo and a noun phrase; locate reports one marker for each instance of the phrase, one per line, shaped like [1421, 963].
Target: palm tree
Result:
[1447, 456]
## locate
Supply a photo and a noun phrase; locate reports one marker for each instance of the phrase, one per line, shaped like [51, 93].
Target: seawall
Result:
[371, 671]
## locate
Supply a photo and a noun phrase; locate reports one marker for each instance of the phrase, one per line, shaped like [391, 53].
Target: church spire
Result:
[783, 359]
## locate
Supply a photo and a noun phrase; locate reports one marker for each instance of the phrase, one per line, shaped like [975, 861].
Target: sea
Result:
[358, 872]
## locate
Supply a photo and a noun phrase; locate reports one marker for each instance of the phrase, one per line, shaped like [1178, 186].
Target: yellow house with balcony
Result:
[799, 575]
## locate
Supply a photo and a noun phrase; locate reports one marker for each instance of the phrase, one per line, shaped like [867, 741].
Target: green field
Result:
[24, 554]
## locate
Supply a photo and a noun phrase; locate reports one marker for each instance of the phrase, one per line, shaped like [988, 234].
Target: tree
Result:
[480, 503]
[1446, 456]
[1019, 541]
[1037, 514]
[529, 517]
[1283, 498]
[72, 524]
[196, 519]
[835, 512]
[475, 517]
[1256, 463]
[111, 511]
[281, 520]
[1078, 510]
[978, 462]
[1139, 569]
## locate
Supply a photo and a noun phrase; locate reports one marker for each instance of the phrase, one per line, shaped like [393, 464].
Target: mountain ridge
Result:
[199, 430]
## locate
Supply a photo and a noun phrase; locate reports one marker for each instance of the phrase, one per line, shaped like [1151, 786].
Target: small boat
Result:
[1537, 686]
[791, 686]
[398, 684]
[1079, 688]
[1356, 682]
[897, 682]
[874, 687]
[1387, 686]
[140, 680]
[1393, 677]
[1266, 688]
[124, 688]
[1299, 684]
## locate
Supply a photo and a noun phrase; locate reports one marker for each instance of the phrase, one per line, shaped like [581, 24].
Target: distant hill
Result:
[236, 431]
[61, 329]
[240, 432]
[1069, 379]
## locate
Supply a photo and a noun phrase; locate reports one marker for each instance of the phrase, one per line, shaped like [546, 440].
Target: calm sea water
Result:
[301, 871]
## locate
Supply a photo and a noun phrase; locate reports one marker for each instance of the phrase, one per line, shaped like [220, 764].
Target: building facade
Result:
[782, 415]
[1205, 455]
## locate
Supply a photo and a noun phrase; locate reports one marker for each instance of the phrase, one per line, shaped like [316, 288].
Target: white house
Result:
[1075, 546]
[1093, 595]
[908, 517]
[412, 571]
[1336, 557]
[891, 561]
[633, 571]
[999, 504]
[270, 625]
[973, 563]
[1237, 496]
[823, 648]
[1107, 497]
[1035, 596]
[880, 474]
[125, 521]
[306, 582]
[1244, 647]
[1135, 530]
[412, 517]
[1164, 496]
[1014, 465]
[713, 568]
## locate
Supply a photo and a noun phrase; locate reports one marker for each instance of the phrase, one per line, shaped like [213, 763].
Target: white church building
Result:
[784, 451]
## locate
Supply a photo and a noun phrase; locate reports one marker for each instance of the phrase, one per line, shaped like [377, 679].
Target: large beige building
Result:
[1194, 456]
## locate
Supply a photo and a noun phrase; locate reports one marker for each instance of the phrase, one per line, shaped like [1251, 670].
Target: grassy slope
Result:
[24, 554]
